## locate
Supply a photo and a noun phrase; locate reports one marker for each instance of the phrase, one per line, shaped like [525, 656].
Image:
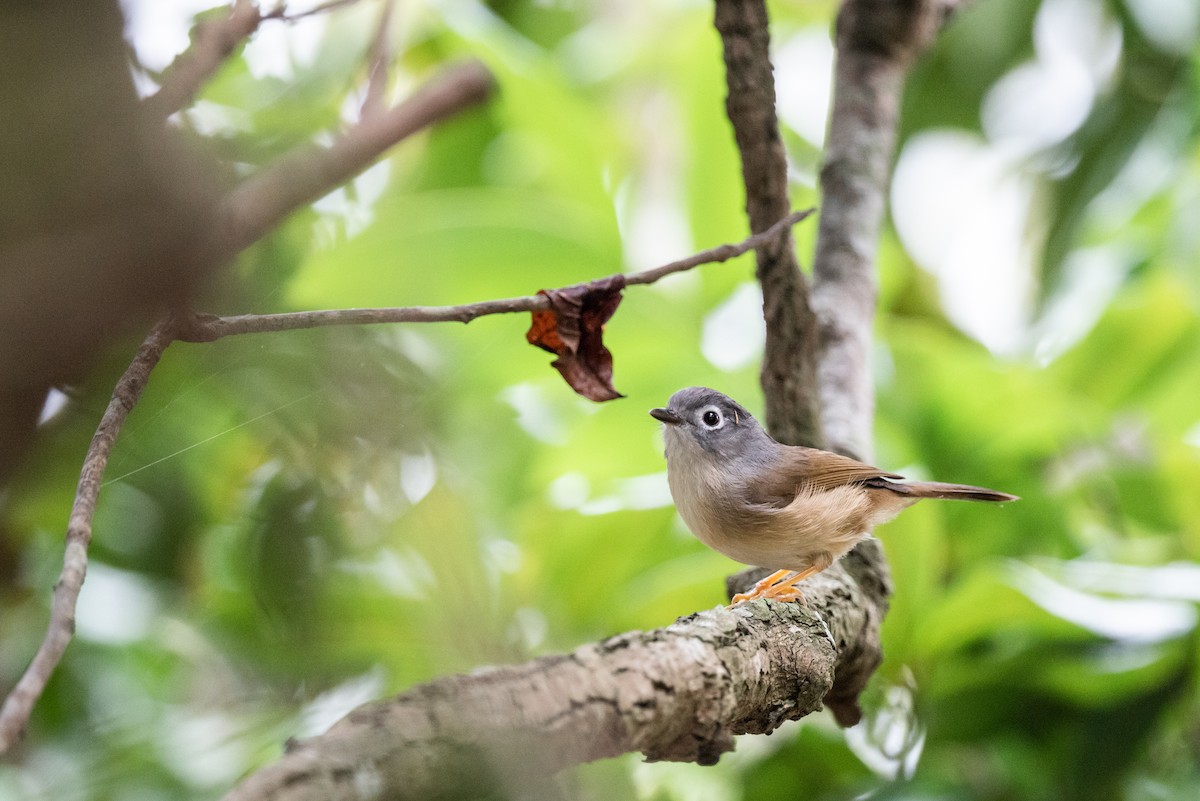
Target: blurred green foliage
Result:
[297, 522]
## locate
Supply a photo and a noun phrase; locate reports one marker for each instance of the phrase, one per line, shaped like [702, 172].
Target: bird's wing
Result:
[810, 470]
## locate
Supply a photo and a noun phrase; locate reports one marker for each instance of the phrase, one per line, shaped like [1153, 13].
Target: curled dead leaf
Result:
[573, 329]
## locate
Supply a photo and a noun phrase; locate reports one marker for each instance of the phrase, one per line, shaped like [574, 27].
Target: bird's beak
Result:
[667, 416]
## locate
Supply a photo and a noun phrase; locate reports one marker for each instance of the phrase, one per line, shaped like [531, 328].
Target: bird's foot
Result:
[779, 586]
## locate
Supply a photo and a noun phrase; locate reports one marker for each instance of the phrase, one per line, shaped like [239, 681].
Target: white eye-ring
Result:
[712, 418]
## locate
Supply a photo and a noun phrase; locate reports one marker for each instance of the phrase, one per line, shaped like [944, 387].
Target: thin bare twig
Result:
[207, 327]
[305, 174]
[280, 12]
[14, 715]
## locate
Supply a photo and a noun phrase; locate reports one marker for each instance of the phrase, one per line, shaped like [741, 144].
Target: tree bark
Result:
[877, 41]
[788, 376]
[678, 693]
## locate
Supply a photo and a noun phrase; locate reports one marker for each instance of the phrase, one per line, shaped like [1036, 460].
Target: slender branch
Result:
[308, 172]
[877, 41]
[213, 42]
[204, 328]
[14, 715]
[207, 327]
[281, 12]
[678, 693]
[789, 361]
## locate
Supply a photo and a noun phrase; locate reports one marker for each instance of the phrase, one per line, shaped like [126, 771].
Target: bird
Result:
[793, 509]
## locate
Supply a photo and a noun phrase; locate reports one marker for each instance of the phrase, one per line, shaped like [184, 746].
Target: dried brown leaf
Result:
[573, 329]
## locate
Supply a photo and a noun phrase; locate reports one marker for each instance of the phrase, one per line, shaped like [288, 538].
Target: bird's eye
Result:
[711, 418]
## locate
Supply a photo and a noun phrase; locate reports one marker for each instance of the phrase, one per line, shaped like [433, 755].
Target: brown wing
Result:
[813, 470]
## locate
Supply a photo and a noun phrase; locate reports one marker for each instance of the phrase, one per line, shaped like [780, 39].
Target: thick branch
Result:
[877, 41]
[677, 693]
[789, 360]
[15, 713]
[208, 327]
[305, 174]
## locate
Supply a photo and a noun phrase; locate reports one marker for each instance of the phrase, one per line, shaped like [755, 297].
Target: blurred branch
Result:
[789, 359]
[208, 327]
[305, 174]
[17, 706]
[876, 43]
[678, 693]
[213, 42]
[246, 214]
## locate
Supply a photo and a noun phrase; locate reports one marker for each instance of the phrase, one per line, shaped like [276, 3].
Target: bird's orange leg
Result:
[779, 586]
[759, 589]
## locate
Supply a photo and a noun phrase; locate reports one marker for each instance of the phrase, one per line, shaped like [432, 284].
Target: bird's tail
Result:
[954, 492]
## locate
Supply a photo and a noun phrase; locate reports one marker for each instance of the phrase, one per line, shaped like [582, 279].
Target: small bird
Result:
[795, 509]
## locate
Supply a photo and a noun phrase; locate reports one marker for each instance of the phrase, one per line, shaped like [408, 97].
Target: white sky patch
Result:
[211, 119]
[961, 207]
[804, 64]
[1041, 102]
[418, 475]
[1171, 24]
[1192, 437]
[890, 740]
[640, 492]
[654, 231]
[159, 30]
[356, 210]
[651, 210]
[55, 402]
[535, 415]
[1091, 278]
[1133, 620]
[1175, 580]
[1152, 166]
[332, 705]
[203, 748]
[276, 49]
[589, 53]
[402, 572]
[419, 348]
[734, 332]
[503, 556]
[568, 491]
[116, 607]
[529, 627]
